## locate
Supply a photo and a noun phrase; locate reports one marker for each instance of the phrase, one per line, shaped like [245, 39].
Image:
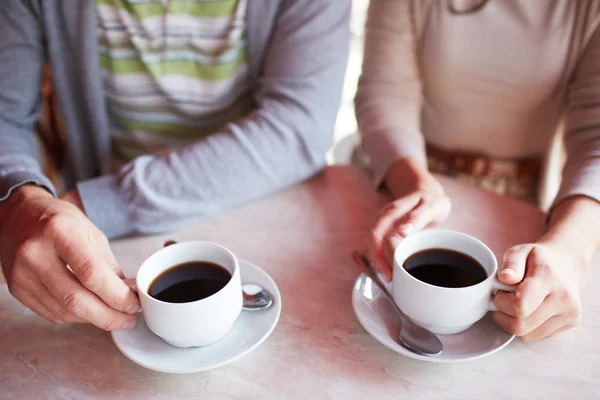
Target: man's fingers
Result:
[31, 302]
[116, 269]
[43, 295]
[514, 263]
[30, 286]
[131, 284]
[93, 271]
[79, 301]
[106, 253]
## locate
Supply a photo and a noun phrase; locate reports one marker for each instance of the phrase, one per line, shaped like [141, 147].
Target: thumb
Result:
[512, 269]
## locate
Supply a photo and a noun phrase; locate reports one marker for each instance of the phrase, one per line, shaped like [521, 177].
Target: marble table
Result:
[303, 237]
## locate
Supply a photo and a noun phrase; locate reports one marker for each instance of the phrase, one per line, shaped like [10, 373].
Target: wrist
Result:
[575, 252]
[408, 175]
[73, 197]
[570, 226]
[21, 195]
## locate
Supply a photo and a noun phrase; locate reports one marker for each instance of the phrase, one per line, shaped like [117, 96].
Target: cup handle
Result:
[497, 285]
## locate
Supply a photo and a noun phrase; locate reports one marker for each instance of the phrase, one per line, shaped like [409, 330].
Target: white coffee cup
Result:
[445, 310]
[197, 323]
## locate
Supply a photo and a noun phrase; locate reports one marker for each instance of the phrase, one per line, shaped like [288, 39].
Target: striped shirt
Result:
[173, 71]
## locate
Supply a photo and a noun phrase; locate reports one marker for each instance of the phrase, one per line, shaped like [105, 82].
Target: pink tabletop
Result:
[303, 238]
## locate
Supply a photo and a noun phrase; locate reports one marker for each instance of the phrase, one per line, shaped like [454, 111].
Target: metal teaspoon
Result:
[413, 336]
[259, 300]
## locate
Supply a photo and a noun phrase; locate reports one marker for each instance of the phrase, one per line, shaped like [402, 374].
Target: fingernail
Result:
[387, 276]
[129, 324]
[406, 229]
[508, 271]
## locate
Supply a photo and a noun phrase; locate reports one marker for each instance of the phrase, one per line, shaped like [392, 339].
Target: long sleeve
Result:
[281, 143]
[22, 58]
[389, 98]
[581, 174]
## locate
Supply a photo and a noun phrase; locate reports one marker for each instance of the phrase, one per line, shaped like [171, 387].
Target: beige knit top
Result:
[494, 77]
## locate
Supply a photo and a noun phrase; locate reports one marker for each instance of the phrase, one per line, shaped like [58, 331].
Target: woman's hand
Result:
[420, 203]
[546, 300]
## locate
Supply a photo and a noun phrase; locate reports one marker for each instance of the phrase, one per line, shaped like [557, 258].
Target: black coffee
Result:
[445, 268]
[189, 281]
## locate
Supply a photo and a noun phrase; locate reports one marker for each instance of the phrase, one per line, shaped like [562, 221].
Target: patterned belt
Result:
[517, 178]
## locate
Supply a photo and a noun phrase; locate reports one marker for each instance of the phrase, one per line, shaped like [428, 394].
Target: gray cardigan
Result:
[298, 52]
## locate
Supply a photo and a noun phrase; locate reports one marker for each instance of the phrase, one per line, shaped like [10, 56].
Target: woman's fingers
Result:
[548, 328]
[399, 219]
[514, 263]
[530, 306]
[542, 303]
[524, 326]
[527, 297]
[563, 329]
[381, 232]
[430, 211]
[534, 311]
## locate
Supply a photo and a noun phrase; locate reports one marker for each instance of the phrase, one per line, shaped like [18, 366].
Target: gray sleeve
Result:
[281, 143]
[581, 174]
[21, 61]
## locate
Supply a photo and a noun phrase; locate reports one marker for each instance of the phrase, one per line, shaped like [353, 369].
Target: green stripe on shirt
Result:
[179, 131]
[176, 80]
[190, 69]
[148, 9]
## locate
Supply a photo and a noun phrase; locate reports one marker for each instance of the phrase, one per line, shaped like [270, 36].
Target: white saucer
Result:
[144, 348]
[377, 316]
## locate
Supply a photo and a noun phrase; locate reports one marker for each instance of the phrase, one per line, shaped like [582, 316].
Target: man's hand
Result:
[57, 263]
[72, 197]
